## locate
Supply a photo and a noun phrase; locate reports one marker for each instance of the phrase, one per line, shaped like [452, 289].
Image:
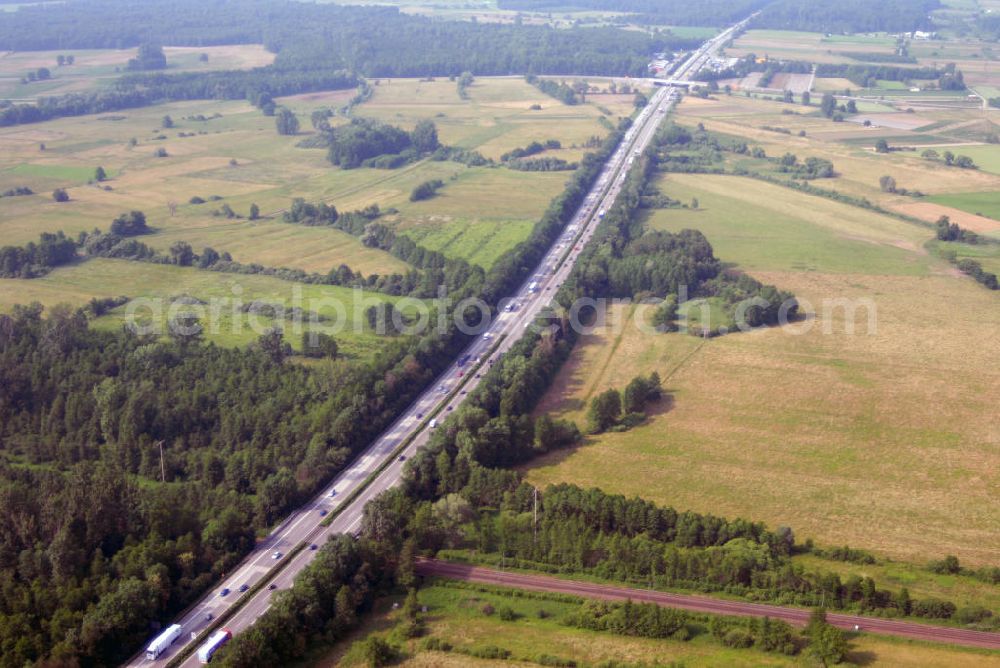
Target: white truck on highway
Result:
[163, 641]
[212, 645]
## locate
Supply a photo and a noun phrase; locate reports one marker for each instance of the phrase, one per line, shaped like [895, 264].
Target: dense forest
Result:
[84, 414]
[717, 13]
[848, 16]
[988, 26]
[559, 90]
[318, 47]
[375, 41]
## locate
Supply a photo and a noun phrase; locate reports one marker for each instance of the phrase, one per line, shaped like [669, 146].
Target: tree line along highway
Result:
[245, 594]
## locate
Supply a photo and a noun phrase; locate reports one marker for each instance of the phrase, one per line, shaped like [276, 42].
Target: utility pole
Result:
[163, 470]
[534, 537]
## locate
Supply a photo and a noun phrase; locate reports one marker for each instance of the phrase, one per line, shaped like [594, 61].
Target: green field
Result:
[49, 172]
[987, 157]
[481, 242]
[986, 254]
[769, 228]
[154, 286]
[979, 203]
[455, 615]
[811, 426]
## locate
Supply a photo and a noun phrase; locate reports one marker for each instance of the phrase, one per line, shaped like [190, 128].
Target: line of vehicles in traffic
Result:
[569, 237]
[173, 632]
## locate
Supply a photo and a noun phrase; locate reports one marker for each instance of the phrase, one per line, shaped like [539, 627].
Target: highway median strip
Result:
[351, 497]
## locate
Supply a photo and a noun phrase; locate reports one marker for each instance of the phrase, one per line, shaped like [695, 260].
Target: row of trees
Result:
[40, 74]
[286, 122]
[130, 224]
[181, 253]
[974, 269]
[426, 190]
[648, 620]
[258, 85]
[949, 159]
[302, 212]
[898, 56]
[811, 168]
[616, 410]
[559, 90]
[37, 259]
[544, 164]
[867, 76]
[949, 231]
[534, 148]
[462, 156]
[437, 270]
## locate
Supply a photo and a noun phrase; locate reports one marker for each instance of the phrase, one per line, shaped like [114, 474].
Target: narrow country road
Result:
[704, 604]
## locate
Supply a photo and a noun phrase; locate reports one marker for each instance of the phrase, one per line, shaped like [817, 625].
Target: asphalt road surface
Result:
[445, 394]
[795, 616]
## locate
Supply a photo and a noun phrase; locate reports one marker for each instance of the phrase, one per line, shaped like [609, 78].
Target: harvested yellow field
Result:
[882, 438]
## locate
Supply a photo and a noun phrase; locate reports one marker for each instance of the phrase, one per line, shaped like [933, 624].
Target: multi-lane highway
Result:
[385, 459]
